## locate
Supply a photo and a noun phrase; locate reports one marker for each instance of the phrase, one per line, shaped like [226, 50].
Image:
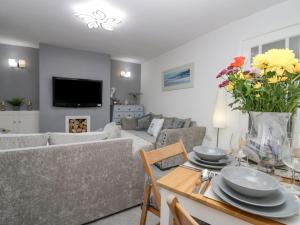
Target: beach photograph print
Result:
[178, 78]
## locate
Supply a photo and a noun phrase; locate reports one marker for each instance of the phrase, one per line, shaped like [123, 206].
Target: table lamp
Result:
[220, 113]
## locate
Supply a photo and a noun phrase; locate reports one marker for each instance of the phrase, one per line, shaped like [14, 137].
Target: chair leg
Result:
[147, 192]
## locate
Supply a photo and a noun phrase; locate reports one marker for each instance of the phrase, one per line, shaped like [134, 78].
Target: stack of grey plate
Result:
[254, 192]
[210, 157]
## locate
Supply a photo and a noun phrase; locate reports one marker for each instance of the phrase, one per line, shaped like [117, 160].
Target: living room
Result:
[89, 88]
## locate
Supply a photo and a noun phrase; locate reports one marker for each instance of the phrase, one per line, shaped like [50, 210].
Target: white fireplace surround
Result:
[68, 118]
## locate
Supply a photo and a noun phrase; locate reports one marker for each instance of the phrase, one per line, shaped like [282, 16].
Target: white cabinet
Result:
[20, 121]
[128, 111]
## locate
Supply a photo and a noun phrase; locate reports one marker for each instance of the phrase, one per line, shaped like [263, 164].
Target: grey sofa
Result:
[69, 184]
[191, 136]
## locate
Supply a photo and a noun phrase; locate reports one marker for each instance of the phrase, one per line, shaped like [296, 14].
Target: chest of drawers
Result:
[127, 111]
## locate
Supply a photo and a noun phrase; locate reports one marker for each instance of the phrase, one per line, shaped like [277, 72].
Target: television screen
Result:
[69, 92]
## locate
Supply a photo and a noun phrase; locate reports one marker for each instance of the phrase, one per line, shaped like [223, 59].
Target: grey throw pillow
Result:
[143, 123]
[178, 123]
[168, 123]
[129, 123]
[187, 123]
[156, 116]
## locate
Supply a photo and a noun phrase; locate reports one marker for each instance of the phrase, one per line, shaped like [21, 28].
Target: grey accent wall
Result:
[124, 86]
[64, 62]
[16, 82]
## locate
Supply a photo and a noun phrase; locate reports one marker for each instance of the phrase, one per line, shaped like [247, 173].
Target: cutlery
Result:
[210, 176]
[204, 175]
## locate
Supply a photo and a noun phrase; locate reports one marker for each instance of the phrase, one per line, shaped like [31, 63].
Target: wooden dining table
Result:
[181, 183]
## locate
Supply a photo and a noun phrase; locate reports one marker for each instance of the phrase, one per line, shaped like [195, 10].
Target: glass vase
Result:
[268, 138]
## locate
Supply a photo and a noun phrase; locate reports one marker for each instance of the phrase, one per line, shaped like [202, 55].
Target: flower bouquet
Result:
[270, 93]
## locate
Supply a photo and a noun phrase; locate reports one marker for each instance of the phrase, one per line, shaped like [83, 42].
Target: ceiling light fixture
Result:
[99, 15]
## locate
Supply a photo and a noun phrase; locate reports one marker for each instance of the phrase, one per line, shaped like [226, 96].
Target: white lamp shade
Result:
[220, 111]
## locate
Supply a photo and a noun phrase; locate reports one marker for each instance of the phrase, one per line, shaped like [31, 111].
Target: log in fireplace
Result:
[77, 124]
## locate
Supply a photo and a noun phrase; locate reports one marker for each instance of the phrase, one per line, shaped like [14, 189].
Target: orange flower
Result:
[238, 61]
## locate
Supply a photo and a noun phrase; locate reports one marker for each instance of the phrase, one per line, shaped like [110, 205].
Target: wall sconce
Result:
[125, 74]
[22, 63]
[13, 63]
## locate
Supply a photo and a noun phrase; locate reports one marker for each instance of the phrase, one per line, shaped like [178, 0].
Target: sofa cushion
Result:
[168, 123]
[187, 123]
[143, 123]
[143, 135]
[155, 127]
[129, 123]
[66, 138]
[156, 116]
[112, 130]
[11, 141]
[139, 141]
[178, 123]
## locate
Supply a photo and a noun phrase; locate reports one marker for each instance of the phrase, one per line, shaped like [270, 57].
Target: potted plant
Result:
[270, 93]
[16, 103]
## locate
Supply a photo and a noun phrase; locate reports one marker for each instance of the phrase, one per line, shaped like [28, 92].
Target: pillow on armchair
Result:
[155, 127]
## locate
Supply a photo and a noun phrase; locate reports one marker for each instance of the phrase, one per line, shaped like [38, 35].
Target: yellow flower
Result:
[242, 76]
[230, 87]
[277, 60]
[284, 78]
[260, 61]
[257, 85]
[273, 80]
[297, 68]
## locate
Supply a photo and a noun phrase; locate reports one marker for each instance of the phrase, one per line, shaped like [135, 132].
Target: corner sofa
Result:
[68, 184]
[173, 129]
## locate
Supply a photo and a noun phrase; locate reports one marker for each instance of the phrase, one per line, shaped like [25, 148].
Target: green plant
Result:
[16, 101]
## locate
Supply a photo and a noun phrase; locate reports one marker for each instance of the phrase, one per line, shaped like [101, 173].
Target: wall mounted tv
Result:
[70, 92]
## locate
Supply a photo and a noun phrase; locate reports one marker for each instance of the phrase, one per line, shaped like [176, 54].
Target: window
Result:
[288, 37]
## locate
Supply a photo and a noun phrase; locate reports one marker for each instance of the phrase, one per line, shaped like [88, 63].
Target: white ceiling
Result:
[151, 27]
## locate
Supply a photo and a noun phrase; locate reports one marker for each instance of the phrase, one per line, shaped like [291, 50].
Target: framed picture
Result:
[178, 78]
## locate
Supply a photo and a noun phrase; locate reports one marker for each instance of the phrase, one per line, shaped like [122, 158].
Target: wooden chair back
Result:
[180, 215]
[151, 157]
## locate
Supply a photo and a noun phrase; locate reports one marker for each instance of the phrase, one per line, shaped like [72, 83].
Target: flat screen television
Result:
[70, 92]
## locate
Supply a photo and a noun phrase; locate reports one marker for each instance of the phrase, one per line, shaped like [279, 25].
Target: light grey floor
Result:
[128, 217]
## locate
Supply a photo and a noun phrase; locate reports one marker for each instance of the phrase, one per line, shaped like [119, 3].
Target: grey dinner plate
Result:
[224, 161]
[193, 159]
[272, 200]
[289, 208]
[209, 153]
[249, 181]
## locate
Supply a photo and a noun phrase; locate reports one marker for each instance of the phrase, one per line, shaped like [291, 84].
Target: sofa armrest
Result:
[191, 137]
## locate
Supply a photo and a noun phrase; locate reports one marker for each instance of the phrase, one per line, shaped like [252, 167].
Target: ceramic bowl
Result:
[209, 153]
[249, 182]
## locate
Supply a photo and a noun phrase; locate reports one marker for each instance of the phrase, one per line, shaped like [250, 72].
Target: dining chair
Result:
[149, 158]
[180, 215]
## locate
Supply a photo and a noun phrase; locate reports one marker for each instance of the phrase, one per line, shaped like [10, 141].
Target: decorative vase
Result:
[268, 137]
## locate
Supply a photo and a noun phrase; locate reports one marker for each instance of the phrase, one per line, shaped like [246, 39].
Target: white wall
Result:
[210, 53]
